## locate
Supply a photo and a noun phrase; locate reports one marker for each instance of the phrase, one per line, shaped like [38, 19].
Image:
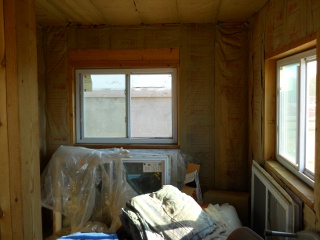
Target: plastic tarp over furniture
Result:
[88, 186]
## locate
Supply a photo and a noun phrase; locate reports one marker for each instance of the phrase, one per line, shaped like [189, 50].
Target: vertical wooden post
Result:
[5, 218]
[269, 111]
[317, 154]
[19, 133]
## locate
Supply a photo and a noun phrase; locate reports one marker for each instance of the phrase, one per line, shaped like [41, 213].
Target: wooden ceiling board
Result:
[157, 11]
[198, 11]
[86, 7]
[137, 12]
[239, 10]
[119, 12]
[46, 14]
[73, 12]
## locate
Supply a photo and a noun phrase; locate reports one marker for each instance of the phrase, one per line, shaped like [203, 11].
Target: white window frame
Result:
[298, 170]
[79, 137]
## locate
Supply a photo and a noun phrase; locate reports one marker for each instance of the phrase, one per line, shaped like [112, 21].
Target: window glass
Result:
[311, 114]
[151, 105]
[104, 105]
[296, 113]
[126, 106]
[288, 112]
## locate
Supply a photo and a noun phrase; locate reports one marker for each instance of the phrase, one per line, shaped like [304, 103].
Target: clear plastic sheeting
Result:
[88, 186]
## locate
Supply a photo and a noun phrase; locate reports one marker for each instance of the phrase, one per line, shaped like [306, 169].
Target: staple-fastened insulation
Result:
[88, 186]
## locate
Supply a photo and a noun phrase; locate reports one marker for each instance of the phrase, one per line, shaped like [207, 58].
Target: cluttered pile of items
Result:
[90, 190]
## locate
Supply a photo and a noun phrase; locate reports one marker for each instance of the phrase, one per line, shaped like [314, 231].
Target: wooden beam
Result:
[23, 174]
[13, 118]
[5, 205]
[140, 56]
[317, 155]
[270, 106]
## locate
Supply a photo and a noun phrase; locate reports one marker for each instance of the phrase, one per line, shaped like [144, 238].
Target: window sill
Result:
[129, 146]
[302, 190]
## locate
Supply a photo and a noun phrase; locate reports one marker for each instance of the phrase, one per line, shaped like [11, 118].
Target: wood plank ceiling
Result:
[143, 12]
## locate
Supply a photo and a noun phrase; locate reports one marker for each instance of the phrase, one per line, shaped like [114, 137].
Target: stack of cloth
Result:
[167, 214]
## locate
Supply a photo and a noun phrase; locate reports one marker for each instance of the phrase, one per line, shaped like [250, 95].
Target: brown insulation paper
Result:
[278, 25]
[196, 90]
[231, 107]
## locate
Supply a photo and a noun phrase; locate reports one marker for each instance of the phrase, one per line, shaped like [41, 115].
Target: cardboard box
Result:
[192, 184]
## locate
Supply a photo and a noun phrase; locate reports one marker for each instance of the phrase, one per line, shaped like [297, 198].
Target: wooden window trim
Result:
[119, 58]
[269, 130]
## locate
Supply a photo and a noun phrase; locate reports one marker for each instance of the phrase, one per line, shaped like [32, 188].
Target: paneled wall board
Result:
[200, 11]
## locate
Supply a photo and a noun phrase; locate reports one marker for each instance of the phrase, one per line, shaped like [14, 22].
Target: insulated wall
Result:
[280, 25]
[212, 90]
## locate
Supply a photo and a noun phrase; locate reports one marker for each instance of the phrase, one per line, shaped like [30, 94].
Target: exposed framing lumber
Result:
[5, 205]
[12, 108]
[317, 156]
[22, 212]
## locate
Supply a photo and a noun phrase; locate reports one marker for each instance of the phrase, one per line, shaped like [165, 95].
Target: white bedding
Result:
[172, 214]
[225, 216]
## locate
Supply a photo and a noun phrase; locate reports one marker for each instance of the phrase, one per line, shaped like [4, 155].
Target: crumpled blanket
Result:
[167, 214]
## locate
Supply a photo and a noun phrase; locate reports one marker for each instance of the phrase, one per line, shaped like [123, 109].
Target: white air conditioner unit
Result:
[147, 173]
